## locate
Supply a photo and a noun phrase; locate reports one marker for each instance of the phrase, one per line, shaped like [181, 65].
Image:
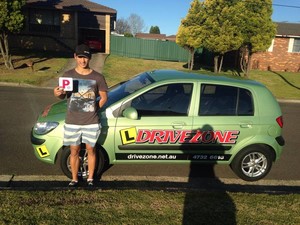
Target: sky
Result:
[167, 14]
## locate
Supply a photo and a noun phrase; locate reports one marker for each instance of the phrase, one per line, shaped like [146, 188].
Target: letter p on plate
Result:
[66, 83]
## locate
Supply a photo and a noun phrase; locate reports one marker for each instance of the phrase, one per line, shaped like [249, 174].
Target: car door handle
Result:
[178, 125]
[245, 125]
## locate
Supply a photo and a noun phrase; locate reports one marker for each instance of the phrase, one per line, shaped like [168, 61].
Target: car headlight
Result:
[41, 128]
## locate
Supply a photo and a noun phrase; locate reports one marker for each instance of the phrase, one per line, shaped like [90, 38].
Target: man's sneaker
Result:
[90, 182]
[73, 183]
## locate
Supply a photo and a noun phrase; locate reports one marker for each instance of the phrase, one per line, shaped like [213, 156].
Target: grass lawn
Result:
[45, 67]
[147, 207]
[284, 85]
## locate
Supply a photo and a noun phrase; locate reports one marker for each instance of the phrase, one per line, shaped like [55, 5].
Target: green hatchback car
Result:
[168, 116]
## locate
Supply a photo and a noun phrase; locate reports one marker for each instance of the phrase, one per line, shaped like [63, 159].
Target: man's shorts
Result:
[77, 134]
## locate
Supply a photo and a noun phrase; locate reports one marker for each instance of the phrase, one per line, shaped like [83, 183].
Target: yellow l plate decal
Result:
[43, 151]
[128, 135]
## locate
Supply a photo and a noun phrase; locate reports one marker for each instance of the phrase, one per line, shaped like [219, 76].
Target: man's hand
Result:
[59, 92]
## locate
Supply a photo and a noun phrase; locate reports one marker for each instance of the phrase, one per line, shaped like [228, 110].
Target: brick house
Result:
[62, 24]
[284, 52]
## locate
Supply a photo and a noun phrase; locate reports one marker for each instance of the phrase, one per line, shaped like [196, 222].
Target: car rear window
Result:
[222, 100]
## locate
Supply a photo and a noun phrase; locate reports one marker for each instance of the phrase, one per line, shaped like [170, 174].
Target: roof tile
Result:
[78, 5]
[289, 29]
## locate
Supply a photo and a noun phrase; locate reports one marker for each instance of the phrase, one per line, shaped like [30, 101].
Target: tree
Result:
[128, 34]
[130, 26]
[257, 28]
[11, 21]
[136, 23]
[225, 25]
[189, 34]
[122, 26]
[221, 30]
[154, 30]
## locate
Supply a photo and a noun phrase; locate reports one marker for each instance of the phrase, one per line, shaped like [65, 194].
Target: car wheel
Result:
[252, 163]
[83, 166]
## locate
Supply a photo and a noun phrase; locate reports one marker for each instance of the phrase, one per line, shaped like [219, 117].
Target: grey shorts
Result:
[77, 134]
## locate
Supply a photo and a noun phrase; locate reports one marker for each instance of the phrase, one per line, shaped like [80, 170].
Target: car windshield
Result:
[124, 89]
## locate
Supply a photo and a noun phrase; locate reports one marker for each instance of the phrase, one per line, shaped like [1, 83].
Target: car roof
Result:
[161, 75]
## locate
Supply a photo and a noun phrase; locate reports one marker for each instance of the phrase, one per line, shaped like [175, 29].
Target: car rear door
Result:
[225, 119]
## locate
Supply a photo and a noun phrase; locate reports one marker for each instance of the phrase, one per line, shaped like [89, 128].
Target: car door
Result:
[225, 120]
[161, 127]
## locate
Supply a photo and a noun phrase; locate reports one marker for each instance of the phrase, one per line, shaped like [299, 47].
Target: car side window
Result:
[245, 104]
[222, 100]
[166, 100]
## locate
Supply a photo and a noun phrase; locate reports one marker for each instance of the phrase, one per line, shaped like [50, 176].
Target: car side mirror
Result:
[130, 113]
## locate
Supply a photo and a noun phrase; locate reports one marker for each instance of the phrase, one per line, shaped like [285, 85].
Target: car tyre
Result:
[252, 163]
[83, 168]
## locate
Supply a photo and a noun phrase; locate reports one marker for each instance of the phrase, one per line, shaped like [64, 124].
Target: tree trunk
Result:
[243, 63]
[249, 64]
[216, 63]
[4, 48]
[191, 58]
[221, 64]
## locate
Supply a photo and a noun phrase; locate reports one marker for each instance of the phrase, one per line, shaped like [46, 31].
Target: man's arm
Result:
[103, 98]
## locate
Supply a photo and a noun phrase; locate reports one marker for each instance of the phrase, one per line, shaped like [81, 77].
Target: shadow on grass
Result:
[285, 80]
[198, 207]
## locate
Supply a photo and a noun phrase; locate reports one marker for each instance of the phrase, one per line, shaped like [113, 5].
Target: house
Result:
[60, 25]
[161, 37]
[171, 38]
[151, 36]
[284, 52]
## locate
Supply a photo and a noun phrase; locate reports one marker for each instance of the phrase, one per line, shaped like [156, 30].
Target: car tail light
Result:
[279, 120]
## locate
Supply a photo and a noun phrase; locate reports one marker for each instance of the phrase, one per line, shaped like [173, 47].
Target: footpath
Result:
[166, 183]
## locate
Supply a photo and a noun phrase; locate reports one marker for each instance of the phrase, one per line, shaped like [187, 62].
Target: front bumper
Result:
[36, 141]
[46, 147]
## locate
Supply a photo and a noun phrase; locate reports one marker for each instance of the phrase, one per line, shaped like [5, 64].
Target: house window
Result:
[66, 18]
[44, 21]
[296, 45]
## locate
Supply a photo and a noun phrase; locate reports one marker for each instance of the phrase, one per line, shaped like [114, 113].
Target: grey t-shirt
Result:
[82, 105]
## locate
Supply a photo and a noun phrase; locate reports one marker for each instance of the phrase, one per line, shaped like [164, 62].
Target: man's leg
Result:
[91, 160]
[74, 161]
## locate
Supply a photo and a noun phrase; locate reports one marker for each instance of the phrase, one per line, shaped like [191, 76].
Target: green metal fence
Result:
[148, 49]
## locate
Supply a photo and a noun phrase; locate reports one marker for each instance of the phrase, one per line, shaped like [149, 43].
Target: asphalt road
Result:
[20, 107]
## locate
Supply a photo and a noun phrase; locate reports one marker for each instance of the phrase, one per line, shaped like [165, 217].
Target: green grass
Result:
[284, 85]
[46, 66]
[119, 68]
[147, 207]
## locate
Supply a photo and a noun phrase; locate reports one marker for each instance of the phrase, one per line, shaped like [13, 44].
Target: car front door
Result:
[161, 126]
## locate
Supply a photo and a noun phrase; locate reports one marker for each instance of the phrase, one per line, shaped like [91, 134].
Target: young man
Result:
[82, 124]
